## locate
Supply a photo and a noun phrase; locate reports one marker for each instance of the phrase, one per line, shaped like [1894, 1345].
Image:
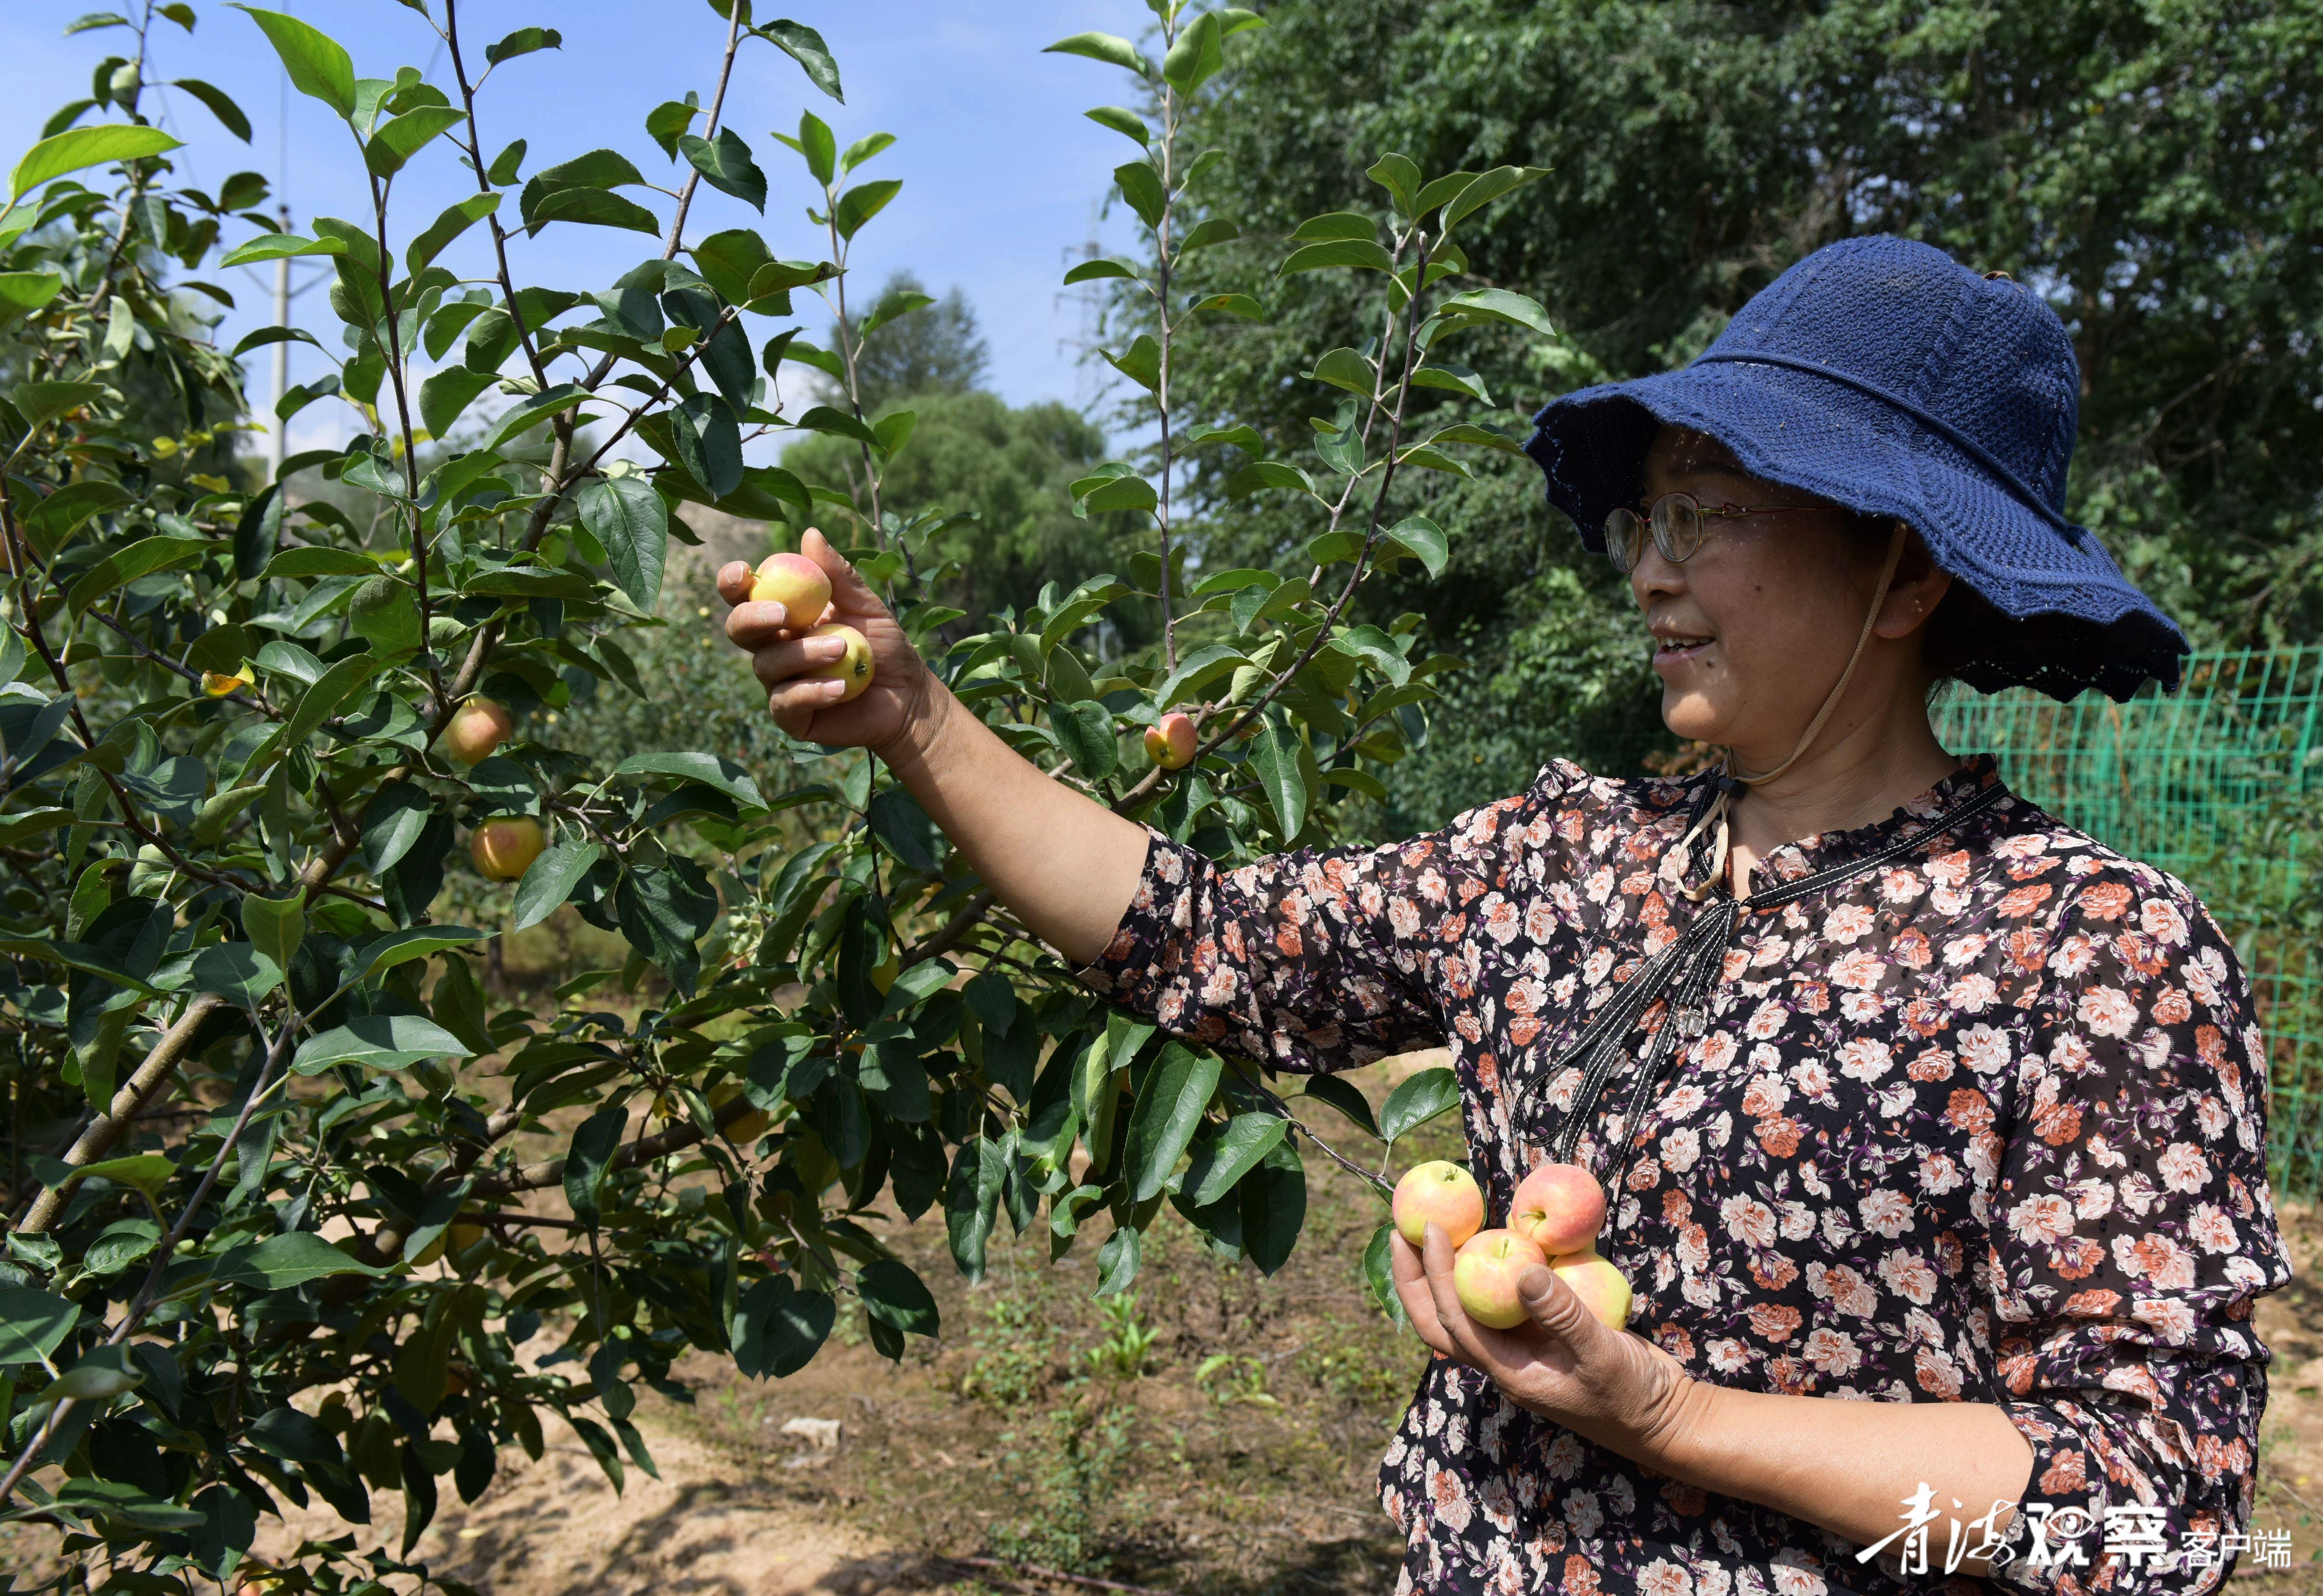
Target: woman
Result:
[1934, 1129]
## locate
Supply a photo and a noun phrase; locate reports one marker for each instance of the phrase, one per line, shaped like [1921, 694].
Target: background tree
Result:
[2151, 170]
[936, 350]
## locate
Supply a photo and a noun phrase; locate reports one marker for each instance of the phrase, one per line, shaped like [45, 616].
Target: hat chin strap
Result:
[1732, 776]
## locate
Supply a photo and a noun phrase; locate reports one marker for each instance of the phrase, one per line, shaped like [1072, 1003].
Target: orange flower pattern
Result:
[1987, 1125]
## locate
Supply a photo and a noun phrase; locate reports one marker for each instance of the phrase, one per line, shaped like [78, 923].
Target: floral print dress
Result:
[1984, 1124]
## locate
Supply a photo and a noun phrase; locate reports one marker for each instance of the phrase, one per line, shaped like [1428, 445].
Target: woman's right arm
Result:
[1066, 865]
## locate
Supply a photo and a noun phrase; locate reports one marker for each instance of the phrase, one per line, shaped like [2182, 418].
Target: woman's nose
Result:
[1654, 575]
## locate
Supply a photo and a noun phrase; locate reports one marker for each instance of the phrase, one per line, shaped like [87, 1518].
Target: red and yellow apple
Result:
[853, 668]
[1170, 741]
[798, 583]
[1558, 1207]
[1442, 1193]
[504, 847]
[475, 729]
[1603, 1289]
[1485, 1275]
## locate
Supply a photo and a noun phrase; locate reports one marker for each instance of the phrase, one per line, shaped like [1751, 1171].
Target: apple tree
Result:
[295, 1211]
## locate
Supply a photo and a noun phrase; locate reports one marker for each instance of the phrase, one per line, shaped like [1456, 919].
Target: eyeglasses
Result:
[1676, 523]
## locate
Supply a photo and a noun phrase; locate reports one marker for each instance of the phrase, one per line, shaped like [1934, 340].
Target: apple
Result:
[1442, 1192]
[854, 666]
[505, 846]
[798, 583]
[465, 1234]
[475, 728]
[1169, 742]
[1558, 1207]
[750, 1125]
[1486, 1273]
[1603, 1290]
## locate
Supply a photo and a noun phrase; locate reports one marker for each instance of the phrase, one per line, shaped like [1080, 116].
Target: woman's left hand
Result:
[1617, 1389]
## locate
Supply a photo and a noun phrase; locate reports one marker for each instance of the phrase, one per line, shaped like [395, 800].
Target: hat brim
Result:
[2072, 621]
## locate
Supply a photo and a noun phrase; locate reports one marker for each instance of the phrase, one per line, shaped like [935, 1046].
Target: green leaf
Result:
[594, 208]
[284, 1262]
[237, 972]
[33, 1324]
[1084, 731]
[972, 1201]
[594, 1142]
[1418, 536]
[318, 561]
[385, 613]
[895, 1295]
[1337, 227]
[1379, 1274]
[549, 882]
[826, 419]
[726, 166]
[378, 1042]
[1222, 1163]
[709, 769]
[401, 138]
[1108, 48]
[1400, 176]
[1343, 367]
[40, 403]
[818, 146]
[383, 953]
[1099, 270]
[1197, 669]
[864, 149]
[444, 397]
[454, 220]
[1318, 257]
[147, 556]
[1260, 476]
[1128, 124]
[1242, 435]
[804, 45]
[1274, 760]
[1418, 1099]
[1481, 305]
[275, 926]
[1141, 185]
[859, 204]
[663, 910]
[519, 420]
[1197, 56]
[287, 1433]
[1240, 305]
[665, 121]
[898, 821]
[1344, 1095]
[79, 148]
[1117, 1261]
[1439, 189]
[1471, 432]
[1168, 1113]
[1141, 363]
[221, 105]
[1454, 378]
[1122, 493]
[626, 516]
[778, 1328]
[523, 41]
[392, 823]
[1375, 648]
[1211, 230]
[23, 293]
[1273, 1202]
[1490, 186]
[728, 260]
[892, 307]
[148, 1173]
[316, 64]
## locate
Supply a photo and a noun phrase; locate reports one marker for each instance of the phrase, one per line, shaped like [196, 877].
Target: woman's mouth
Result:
[1676, 650]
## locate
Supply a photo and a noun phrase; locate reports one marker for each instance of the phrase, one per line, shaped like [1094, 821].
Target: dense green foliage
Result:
[287, 1194]
[2152, 168]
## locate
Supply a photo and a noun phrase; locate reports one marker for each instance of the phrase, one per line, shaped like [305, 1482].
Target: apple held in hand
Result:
[1485, 1275]
[798, 583]
[475, 729]
[1603, 1290]
[1559, 1208]
[504, 847]
[1170, 741]
[1442, 1193]
[853, 668]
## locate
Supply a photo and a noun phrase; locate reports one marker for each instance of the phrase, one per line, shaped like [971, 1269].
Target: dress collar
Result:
[1824, 849]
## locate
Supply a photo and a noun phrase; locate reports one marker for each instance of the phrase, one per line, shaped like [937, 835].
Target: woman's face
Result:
[1751, 632]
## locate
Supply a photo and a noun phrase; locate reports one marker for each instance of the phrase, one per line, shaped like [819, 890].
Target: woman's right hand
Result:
[901, 695]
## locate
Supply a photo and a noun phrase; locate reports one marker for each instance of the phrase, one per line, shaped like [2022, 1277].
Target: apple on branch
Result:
[1170, 741]
[1442, 1193]
[504, 847]
[476, 728]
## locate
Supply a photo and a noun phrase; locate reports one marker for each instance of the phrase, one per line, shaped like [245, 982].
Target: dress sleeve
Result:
[2131, 1233]
[1321, 959]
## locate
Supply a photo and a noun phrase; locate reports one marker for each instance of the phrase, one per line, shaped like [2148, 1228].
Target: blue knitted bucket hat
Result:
[1885, 376]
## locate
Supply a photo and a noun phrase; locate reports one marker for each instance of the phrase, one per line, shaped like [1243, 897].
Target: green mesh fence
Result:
[2221, 785]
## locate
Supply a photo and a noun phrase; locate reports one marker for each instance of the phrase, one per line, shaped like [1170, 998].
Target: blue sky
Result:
[1002, 174]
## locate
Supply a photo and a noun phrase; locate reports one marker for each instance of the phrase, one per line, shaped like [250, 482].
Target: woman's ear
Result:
[1920, 585]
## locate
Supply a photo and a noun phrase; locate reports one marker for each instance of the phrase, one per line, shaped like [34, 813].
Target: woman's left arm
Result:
[2129, 1231]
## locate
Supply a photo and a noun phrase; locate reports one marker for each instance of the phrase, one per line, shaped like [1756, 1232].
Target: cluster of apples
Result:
[1554, 1221]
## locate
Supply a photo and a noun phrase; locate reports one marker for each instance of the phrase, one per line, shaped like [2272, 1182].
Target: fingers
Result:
[734, 580]
[848, 591]
[777, 662]
[795, 704]
[1411, 1286]
[1553, 1306]
[1436, 1254]
[755, 623]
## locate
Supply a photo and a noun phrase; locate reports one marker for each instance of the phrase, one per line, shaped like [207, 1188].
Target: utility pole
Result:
[277, 438]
